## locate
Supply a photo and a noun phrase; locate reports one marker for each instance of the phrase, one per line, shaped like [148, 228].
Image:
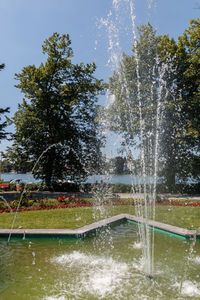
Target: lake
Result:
[125, 179]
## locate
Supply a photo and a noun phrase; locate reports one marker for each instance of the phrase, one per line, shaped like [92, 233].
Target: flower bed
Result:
[7, 210]
[178, 203]
[73, 202]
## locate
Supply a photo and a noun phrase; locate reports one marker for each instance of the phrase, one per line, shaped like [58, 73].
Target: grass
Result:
[185, 217]
[71, 218]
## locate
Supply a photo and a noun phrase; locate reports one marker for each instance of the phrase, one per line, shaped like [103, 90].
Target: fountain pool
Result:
[107, 265]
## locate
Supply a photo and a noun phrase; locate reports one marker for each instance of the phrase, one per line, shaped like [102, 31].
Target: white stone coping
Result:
[85, 230]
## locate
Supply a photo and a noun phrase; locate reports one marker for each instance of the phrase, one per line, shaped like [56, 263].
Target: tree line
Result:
[59, 110]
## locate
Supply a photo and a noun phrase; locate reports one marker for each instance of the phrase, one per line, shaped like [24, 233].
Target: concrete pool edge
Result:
[87, 229]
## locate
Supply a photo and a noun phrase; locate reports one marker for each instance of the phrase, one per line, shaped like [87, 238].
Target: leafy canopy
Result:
[58, 113]
[156, 92]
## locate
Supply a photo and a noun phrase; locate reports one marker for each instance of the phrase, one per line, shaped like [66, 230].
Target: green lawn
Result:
[181, 216]
[185, 217]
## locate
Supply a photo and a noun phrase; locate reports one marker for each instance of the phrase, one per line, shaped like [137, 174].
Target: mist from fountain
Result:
[148, 141]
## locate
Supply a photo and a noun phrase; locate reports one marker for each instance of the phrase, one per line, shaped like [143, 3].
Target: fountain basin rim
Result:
[87, 229]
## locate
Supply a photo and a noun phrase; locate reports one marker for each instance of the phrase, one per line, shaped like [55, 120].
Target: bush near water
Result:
[190, 189]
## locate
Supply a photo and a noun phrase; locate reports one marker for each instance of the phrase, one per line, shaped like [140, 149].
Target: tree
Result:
[3, 134]
[139, 89]
[157, 95]
[6, 167]
[189, 80]
[57, 116]
[118, 164]
[184, 135]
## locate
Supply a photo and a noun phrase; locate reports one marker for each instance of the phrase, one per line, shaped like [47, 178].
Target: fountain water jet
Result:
[21, 197]
[131, 102]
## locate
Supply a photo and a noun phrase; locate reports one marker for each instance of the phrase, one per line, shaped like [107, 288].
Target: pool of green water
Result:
[107, 265]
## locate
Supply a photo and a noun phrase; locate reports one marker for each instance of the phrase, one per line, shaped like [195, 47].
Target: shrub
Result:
[121, 188]
[23, 196]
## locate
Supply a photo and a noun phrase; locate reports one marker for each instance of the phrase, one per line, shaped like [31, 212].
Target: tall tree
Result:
[184, 108]
[189, 80]
[156, 94]
[3, 134]
[57, 116]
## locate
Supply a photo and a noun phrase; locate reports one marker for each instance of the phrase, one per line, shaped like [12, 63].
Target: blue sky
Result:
[24, 24]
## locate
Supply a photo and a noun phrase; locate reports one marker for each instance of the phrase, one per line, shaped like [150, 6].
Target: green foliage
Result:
[117, 164]
[161, 79]
[141, 97]
[23, 197]
[3, 134]
[189, 46]
[181, 141]
[121, 188]
[6, 166]
[66, 187]
[58, 113]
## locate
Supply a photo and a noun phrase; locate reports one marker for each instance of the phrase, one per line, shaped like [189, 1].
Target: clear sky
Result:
[25, 24]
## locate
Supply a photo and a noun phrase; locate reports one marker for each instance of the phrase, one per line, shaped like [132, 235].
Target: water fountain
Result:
[124, 101]
[118, 262]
